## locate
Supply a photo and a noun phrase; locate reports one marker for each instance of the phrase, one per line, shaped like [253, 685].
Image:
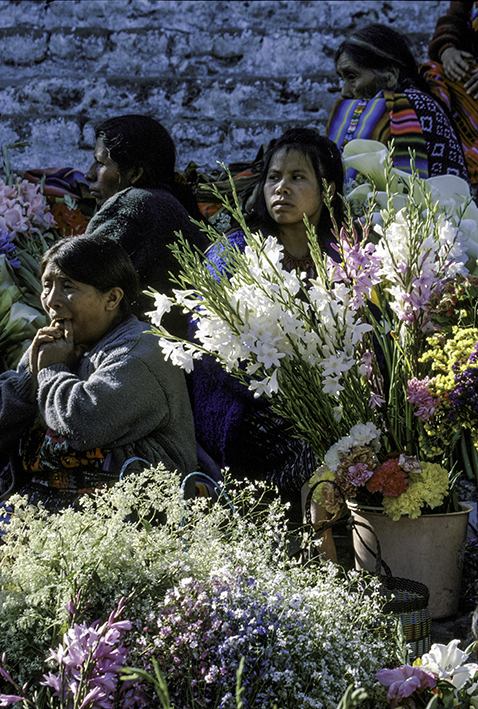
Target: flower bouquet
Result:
[450, 194]
[341, 355]
[28, 228]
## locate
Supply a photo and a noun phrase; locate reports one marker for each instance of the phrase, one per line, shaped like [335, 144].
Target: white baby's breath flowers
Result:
[106, 550]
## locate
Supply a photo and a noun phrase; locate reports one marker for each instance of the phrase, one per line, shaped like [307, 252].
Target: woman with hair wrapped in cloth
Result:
[384, 99]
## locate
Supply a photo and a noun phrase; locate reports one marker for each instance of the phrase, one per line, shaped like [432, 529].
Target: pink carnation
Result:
[404, 681]
[389, 479]
[359, 474]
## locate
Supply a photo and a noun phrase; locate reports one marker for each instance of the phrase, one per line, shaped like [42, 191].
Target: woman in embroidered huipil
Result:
[384, 98]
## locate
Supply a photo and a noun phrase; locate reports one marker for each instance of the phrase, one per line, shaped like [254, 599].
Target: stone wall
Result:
[223, 77]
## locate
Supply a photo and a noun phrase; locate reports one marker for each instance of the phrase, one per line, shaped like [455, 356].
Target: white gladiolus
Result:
[301, 340]
[162, 305]
[180, 354]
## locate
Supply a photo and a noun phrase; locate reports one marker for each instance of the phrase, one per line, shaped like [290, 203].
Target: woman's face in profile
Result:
[357, 82]
[104, 176]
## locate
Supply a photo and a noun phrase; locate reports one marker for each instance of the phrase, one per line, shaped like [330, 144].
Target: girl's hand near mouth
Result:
[54, 345]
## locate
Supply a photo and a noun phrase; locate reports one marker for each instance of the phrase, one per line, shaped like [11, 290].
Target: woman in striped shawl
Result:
[384, 99]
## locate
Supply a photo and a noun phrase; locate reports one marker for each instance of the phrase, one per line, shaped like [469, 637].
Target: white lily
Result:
[448, 662]
[368, 157]
[452, 193]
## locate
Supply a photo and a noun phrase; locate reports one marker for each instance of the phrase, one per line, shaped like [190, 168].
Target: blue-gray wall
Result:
[224, 77]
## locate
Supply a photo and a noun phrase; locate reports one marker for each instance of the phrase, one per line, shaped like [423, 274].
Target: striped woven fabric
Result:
[385, 117]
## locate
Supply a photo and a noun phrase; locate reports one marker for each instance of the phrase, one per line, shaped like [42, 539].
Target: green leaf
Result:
[352, 698]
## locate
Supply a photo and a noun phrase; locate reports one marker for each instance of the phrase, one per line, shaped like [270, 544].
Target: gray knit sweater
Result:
[124, 398]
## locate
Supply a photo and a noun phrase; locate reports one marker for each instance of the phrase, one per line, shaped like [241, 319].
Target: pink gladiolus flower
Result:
[376, 401]
[90, 658]
[54, 681]
[404, 681]
[420, 396]
[5, 674]
[7, 699]
[23, 209]
[361, 269]
[90, 698]
[15, 221]
[367, 359]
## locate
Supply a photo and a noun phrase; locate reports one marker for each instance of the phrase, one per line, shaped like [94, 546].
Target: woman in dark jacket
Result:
[142, 201]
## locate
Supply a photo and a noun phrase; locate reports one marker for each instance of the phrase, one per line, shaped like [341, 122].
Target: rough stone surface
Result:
[223, 77]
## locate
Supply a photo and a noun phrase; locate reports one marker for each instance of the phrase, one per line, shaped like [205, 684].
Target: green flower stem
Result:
[469, 472]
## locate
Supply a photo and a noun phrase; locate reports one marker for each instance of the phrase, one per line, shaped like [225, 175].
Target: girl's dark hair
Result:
[325, 158]
[100, 262]
[378, 47]
[134, 141]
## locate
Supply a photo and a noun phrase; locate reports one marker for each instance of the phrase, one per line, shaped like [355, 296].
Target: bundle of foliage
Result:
[29, 225]
[196, 589]
[339, 354]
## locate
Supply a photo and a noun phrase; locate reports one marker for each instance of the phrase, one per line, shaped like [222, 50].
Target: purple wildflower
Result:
[463, 399]
[7, 247]
[199, 635]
